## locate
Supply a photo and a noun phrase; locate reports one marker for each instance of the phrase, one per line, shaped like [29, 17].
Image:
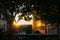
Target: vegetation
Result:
[47, 10]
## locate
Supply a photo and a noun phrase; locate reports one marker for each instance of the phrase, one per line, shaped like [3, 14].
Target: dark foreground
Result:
[29, 37]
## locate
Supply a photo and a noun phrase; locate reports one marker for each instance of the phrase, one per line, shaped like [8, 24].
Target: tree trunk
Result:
[58, 28]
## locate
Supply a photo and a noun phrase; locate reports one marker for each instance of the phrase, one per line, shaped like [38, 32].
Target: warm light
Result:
[16, 25]
[38, 23]
[14, 22]
[17, 16]
[22, 21]
[19, 22]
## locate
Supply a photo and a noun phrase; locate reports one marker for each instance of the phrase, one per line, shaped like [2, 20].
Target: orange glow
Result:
[19, 22]
[16, 25]
[38, 23]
